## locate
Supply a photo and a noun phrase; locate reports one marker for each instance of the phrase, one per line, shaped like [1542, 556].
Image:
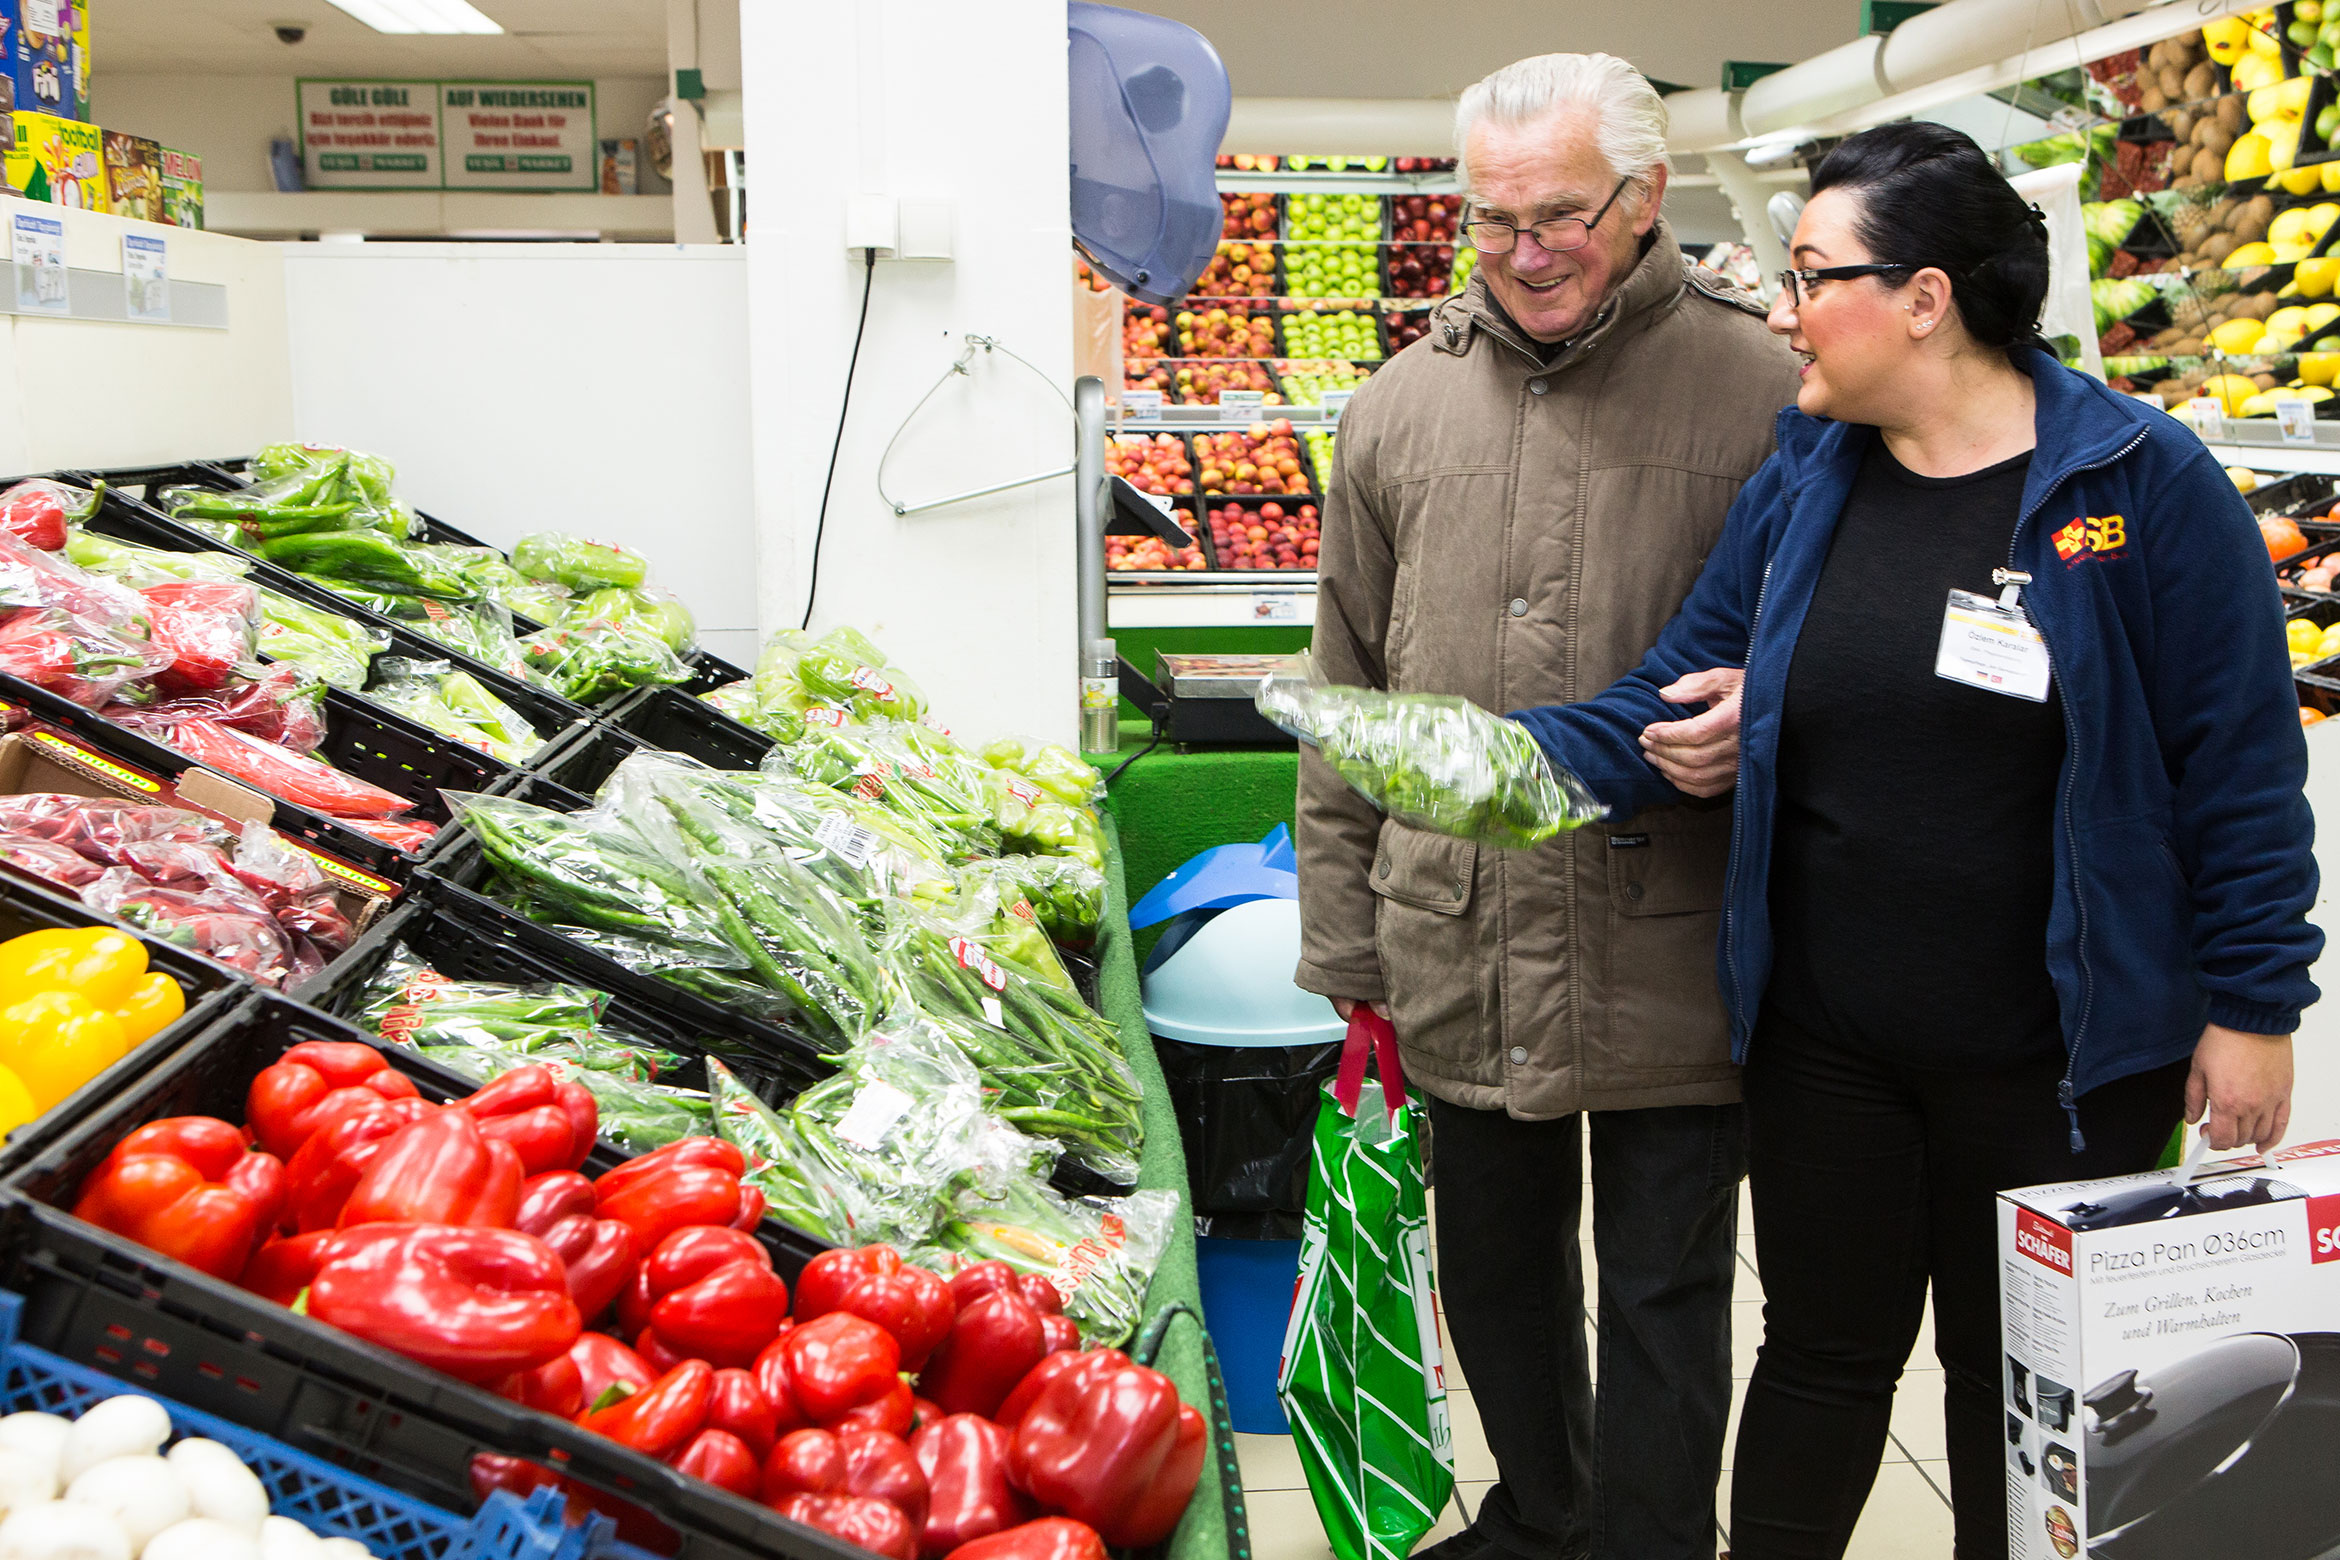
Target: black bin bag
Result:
[1247, 1115]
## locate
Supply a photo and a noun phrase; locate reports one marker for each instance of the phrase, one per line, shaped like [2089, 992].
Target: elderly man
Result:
[1522, 499]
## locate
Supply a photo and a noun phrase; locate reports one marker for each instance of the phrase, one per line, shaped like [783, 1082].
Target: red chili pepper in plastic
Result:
[804, 1462]
[827, 1278]
[912, 1304]
[296, 1096]
[1050, 1538]
[993, 1343]
[662, 1417]
[481, 1304]
[439, 1170]
[556, 1387]
[301, 780]
[207, 626]
[872, 1524]
[881, 1465]
[838, 1362]
[329, 1165]
[723, 1460]
[972, 1282]
[599, 1257]
[547, 1199]
[1040, 1294]
[715, 1296]
[34, 512]
[283, 1267]
[1060, 1333]
[602, 1363]
[739, 1406]
[527, 1109]
[895, 1414]
[188, 1187]
[1043, 1375]
[657, 1205]
[1113, 1448]
[964, 1458]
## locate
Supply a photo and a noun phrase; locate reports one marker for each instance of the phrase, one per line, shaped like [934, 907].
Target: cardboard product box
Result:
[37, 48]
[134, 186]
[61, 161]
[81, 62]
[2171, 1379]
[182, 188]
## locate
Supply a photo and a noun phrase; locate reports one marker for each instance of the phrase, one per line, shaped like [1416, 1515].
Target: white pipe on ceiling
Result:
[1835, 82]
[1342, 127]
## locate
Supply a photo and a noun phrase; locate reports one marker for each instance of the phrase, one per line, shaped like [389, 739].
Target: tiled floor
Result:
[1907, 1518]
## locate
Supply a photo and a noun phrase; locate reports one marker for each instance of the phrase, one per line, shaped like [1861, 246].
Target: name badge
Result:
[1990, 645]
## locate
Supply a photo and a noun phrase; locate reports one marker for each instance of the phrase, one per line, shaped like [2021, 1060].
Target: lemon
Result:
[2278, 341]
[2226, 38]
[2332, 178]
[2237, 337]
[2243, 478]
[2313, 393]
[2243, 256]
[2299, 633]
[2292, 321]
[2254, 71]
[2320, 315]
[2263, 41]
[2285, 254]
[2319, 368]
[2249, 158]
[2230, 391]
[2282, 143]
[2315, 278]
[2301, 181]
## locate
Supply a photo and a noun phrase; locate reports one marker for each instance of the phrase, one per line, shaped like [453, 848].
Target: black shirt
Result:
[1913, 862]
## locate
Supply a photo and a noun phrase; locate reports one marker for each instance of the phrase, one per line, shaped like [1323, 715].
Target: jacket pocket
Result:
[2139, 914]
[1668, 861]
[1431, 872]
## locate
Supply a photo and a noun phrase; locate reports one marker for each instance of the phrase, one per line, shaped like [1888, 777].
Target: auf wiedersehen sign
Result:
[456, 135]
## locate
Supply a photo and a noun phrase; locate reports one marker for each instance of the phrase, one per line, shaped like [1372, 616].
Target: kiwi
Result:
[2208, 165]
[2158, 56]
[2233, 115]
[2171, 79]
[2213, 137]
[2201, 81]
[2150, 101]
[2249, 222]
[2218, 246]
[2265, 381]
[2257, 305]
[2181, 124]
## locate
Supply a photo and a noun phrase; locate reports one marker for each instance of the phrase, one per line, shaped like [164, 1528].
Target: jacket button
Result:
[1537, 385]
[1385, 866]
[1519, 606]
[1462, 886]
[1518, 1055]
[1632, 890]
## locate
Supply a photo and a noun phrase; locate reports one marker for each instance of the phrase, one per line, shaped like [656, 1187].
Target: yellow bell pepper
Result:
[155, 1003]
[56, 1041]
[73, 1001]
[16, 1103]
[97, 961]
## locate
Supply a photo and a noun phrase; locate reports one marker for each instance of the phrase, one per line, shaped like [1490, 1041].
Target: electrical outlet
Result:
[928, 230]
[873, 222]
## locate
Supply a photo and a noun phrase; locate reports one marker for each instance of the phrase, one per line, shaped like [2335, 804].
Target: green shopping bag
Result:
[1362, 1378]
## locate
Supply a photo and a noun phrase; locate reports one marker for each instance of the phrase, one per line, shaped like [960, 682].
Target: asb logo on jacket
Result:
[2091, 537]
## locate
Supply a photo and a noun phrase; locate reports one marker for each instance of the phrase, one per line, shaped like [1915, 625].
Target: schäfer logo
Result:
[2324, 1228]
[2044, 1241]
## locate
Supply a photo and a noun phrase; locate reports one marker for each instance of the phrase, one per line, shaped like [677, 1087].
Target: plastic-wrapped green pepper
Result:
[577, 563]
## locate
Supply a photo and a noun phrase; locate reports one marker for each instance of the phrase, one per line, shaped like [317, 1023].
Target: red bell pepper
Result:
[657, 1353]
[1050, 1538]
[723, 1460]
[207, 626]
[829, 1277]
[739, 1406]
[439, 1170]
[329, 1165]
[603, 1363]
[912, 1304]
[993, 1343]
[556, 1387]
[771, 1373]
[283, 1267]
[547, 1199]
[300, 1093]
[599, 1257]
[751, 1208]
[924, 1412]
[1043, 1375]
[882, 1466]
[838, 1362]
[481, 1304]
[34, 511]
[804, 1462]
[671, 1197]
[673, 1156]
[964, 1458]
[662, 1417]
[896, 1413]
[714, 1294]
[539, 1115]
[1060, 1333]
[1113, 1448]
[1040, 1294]
[188, 1187]
[872, 1524]
[977, 1279]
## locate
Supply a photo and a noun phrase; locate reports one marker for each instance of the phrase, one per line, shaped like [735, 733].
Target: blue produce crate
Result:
[315, 1494]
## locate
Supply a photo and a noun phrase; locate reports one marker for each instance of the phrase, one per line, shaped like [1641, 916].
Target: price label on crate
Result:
[1335, 403]
[2296, 416]
[2207, 416]
[1275, 609]
[1241, 405]
[1141, 406]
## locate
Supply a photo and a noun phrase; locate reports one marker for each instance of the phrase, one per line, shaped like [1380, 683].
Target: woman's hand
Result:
[1700, 755]
[2244, 1082]
[1344, 1006]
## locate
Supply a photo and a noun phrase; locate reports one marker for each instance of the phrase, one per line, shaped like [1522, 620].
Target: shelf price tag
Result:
[2296, 416]
[1241, 406]
[2207, 415]
[1335, 403]
[146, 280]
[1275, 609]
[39, 245]
[1141, 406]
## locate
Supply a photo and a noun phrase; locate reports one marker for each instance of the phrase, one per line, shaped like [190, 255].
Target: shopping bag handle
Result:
[1370, 1032]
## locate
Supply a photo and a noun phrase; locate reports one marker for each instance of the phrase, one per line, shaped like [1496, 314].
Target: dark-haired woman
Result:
[2021, 865]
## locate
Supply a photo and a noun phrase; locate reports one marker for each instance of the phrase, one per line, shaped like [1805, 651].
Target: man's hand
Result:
[1344, 1006]
[2244, 1081]
[1700, 755]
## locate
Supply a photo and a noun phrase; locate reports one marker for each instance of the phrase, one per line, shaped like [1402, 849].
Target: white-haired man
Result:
[1521, 501]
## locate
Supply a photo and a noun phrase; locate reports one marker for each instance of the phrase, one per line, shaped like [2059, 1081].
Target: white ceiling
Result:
[541, 39]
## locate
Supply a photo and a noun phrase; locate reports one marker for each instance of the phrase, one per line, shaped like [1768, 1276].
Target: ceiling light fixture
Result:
[419, 16]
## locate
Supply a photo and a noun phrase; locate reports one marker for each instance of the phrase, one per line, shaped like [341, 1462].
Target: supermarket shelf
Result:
[1234, 183]
[438, 213]
[2262, 448]
[1197, 600]
[1206, 419]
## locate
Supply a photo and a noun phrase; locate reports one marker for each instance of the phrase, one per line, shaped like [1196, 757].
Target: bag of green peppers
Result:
[912, 771]
[581, 565]
[844, 668]
[636, 1116]
[1433, 761]
[596, 661]
[893, 1132]
[1099, 1252]
[370, 475]
[138, 567]
[454, 704]
[1066, 894]
[1055, 770]
[339, 650]
[1031, 822]
[369, 561]
[655, 611]
[799, 1190]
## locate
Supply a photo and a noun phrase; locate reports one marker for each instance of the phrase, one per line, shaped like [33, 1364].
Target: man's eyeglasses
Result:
[1793, 283]
[1556, 235]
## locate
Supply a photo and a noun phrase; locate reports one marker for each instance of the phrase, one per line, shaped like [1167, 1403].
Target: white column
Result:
[688, 47]
[923, 100]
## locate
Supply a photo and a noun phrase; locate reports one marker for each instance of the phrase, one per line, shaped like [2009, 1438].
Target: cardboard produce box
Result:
[38, 55]
[2171, 1379]
[134, 185]
[61, 161]
[182, 188]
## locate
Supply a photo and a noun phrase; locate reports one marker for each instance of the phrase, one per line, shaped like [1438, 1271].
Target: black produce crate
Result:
[381, 864]
[670, 719]
[1374, 309]
[454, 939]
[708, 673]
[211, 989]
[550, 716]
[107, 1303]
[2300, 493]
[224, 475]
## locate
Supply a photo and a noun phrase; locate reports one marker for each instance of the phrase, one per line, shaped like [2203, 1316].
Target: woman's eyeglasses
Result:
[1556, 235]
[1794, 282]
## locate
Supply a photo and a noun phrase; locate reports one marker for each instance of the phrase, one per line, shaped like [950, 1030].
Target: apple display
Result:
[1238, 270]
[1262, 459]
[1138, 554]
[1153, 463]
[1333, 246]
[1305, 381]
[1264, 534]
[1247, 216]
[1406, 328]
[1218, 332]
[1199, 382]
[1330, 333]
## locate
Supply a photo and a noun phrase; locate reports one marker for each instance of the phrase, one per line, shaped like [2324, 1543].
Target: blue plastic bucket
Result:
[1247, 1298]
